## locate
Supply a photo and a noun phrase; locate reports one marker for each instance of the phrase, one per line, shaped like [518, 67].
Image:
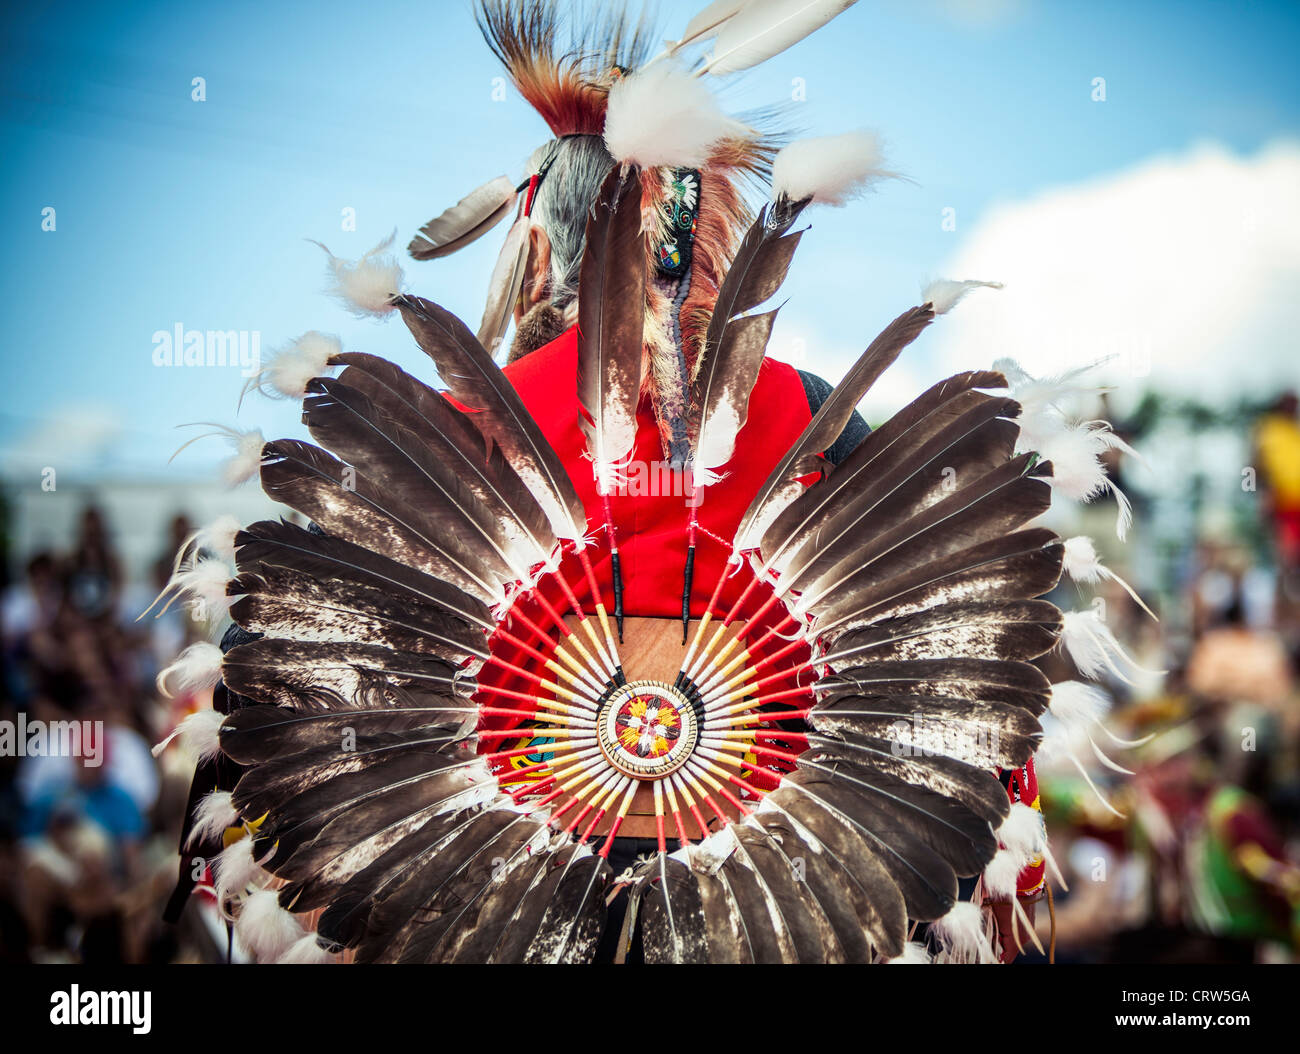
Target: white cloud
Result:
[1186, 268]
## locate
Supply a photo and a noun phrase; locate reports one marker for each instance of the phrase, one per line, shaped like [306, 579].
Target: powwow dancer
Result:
[457, 720]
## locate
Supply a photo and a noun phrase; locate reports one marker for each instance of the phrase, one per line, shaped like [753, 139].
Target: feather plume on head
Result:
[590, 78]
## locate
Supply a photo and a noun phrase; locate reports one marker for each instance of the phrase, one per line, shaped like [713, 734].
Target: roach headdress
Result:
[430, 737]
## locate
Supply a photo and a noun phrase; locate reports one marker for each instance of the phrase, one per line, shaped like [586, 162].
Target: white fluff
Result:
[1084, 565]
[217, 538]
[1037, 396]
[664, 116]
[195, 669]
[246, 462]
[1077, 471]
[204, 581]
[296, 364]
[830, 169]
[1081, 560]
[365, 286]
[247, 459]
[943, 294]
[265, 928]
[198, 735]
[961, 935]
[234, 870]
[1002, 872]
[214, 813]
[1023, 832]
[1077, 704]
[1075, 450]
[914, 954]
[306, 951]
[1093, 649]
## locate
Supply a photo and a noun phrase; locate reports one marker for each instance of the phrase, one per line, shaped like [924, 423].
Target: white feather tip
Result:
[830, 169]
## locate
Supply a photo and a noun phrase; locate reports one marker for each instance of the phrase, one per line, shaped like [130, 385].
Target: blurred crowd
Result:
[1174, 824]
[88, 841]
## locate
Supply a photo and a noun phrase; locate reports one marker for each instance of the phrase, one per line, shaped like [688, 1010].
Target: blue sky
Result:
[173, 211]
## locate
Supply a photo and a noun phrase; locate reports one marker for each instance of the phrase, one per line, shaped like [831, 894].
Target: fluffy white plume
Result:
[295, 364]
[204, 582]
[830, 169]
[1084, 565]
[247, 459]
[1077, 704]
[197, 734]
[306, 951]
[195, 669]
[246, 462]
[217, 538]
[1093, 649]
[1075, 450]
[663, 116]
[1001, 873]
[234, 870]
[1039, 395]
[944, 293]
[265, 928]
[366, 285]
[1077, 471]
[1023, 832]
[961, 935]
[914, 954]
[213, 814]
[763, 28]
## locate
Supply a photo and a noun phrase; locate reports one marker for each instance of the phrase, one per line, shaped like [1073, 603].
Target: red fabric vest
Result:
[651, 528]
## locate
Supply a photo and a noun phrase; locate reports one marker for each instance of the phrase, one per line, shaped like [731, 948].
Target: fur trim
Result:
[265, 928]
[367, 285]
[943, 294]
[195, 669]
[829, 169]
[663, 116]
[198, 734]
[214, 813]
[542, 324]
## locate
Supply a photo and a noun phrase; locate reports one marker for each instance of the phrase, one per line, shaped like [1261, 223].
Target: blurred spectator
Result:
[1277, 443]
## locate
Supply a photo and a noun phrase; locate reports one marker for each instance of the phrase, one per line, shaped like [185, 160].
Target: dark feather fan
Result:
[439, 760]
